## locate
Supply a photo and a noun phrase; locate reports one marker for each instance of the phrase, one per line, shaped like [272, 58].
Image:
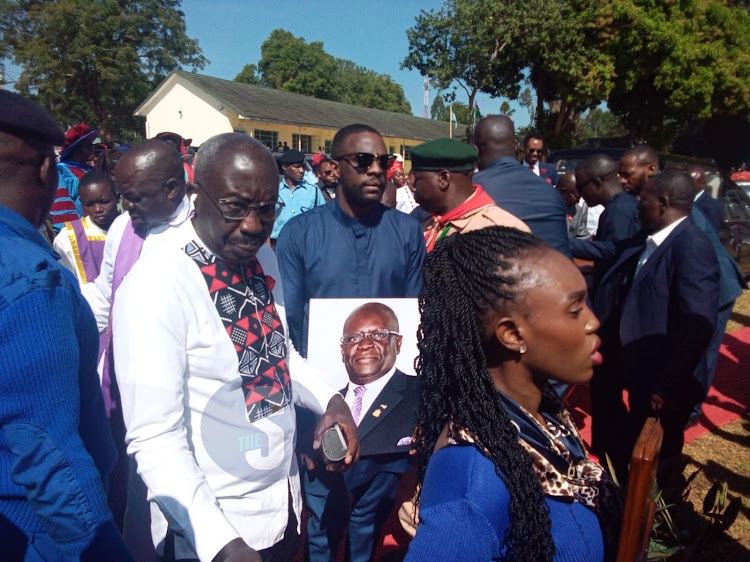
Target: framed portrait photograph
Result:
[355, 320]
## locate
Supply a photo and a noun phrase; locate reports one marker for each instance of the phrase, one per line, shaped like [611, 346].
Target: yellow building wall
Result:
[189, 112]
[319, 135]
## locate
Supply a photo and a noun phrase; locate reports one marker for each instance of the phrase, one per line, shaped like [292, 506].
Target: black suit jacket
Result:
[391, 418]
[519, 191]
[618, 221]
[711, 208]
[667, 310]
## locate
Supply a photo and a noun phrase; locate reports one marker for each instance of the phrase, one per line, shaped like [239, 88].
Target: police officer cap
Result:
[23, 118]
[443, 154]
[292, 157]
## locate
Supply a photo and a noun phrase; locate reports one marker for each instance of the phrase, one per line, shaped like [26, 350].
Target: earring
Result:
[522, 349]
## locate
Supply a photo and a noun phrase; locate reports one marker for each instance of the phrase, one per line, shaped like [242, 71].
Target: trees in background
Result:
[653, 62]
[95, 60]
[291, 64]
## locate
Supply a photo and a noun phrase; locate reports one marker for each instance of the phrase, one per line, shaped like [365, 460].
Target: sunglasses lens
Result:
[365, 159]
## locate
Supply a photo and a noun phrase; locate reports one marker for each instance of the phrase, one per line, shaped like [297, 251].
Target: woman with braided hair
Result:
[503, 472]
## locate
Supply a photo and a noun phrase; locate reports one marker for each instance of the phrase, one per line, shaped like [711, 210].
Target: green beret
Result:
[443, 154]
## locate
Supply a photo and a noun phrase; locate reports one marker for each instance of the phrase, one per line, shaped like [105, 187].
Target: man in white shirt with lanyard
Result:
[208, 376]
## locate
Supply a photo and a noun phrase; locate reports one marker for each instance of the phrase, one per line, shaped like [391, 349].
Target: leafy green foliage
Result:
[687, 61]
[600, 123]
[291, 64]
[96, 60]
[658, 64]
[441, 112]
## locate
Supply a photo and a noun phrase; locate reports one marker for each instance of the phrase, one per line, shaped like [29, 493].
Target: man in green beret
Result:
[442, 186]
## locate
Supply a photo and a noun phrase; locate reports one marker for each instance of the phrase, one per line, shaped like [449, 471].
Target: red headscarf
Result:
[392, 170]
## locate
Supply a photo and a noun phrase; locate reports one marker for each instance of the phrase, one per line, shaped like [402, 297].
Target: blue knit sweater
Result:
[56, 449]
[464, 514]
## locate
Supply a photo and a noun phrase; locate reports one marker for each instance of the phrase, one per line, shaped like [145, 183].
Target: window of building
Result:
[391, 149]
[302, 142]
[406, 151]
[327, 147]
[269, 138]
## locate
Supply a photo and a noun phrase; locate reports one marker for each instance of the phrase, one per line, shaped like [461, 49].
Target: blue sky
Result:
[372, 34]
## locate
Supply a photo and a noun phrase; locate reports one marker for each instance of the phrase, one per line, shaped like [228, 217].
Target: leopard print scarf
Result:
[558, 454]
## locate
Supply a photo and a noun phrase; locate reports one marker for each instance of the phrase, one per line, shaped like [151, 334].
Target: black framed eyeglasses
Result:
[236, 209]
[365, 159]
[375, 335]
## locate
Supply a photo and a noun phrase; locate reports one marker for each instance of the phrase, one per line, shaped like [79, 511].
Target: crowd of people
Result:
[158, 403]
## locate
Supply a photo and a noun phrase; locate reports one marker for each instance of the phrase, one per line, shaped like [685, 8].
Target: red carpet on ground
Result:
[727, 400]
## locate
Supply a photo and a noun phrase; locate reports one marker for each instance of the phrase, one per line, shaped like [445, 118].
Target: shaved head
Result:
[151, 180]
[597, 181]
[699, 177]
[154, 153]
[494, 138]
[243, 150]
[643, 154]
[637, 165]
[597, 165]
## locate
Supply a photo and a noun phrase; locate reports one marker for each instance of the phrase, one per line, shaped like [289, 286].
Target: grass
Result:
[723, 456]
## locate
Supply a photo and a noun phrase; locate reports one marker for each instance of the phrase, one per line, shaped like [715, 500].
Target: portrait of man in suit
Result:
[383, 401]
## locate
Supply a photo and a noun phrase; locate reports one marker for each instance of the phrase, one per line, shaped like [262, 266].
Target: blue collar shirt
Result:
[302, 198]
[326, 253]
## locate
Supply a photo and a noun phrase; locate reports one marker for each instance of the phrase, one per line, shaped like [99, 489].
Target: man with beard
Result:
[353, 246]
[637, 165]
[207, 374]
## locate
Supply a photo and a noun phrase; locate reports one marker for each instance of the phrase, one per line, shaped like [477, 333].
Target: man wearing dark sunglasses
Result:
[533, 148]
[353, 246]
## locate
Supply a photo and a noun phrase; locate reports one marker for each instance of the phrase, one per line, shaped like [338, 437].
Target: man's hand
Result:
[657, 403]
[237, 551]
[338, 412]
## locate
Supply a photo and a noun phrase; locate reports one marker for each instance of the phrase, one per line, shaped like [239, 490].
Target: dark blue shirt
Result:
[325, 253]
[519, 191]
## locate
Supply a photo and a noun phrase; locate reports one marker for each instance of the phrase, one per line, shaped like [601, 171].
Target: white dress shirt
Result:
[64, 247]
[213, 475]
[98, 292]
[655, 240]
[533, 167]
[368, 398]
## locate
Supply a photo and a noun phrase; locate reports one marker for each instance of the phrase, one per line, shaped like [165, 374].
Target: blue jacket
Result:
[56, 450]
[516, 189]
[731, 281]
[619, 221]
[711, 208]
[464, 514]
